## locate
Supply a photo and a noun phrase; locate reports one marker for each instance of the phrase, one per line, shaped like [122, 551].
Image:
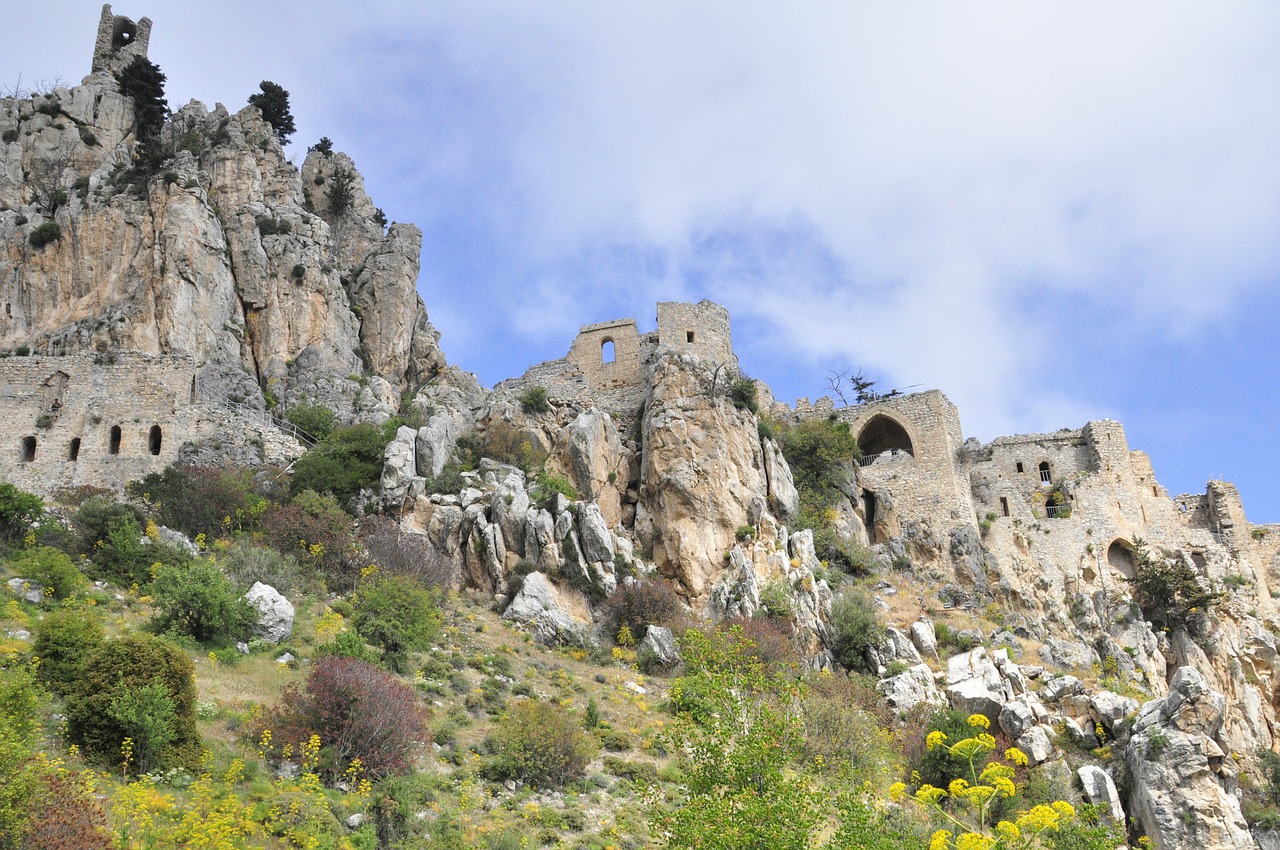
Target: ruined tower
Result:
[119, 41]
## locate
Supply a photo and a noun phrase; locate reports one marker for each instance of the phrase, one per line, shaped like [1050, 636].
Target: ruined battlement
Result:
[120, 41]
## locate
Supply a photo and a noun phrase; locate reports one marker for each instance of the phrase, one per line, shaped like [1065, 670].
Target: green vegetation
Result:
[45, 234]
[343, 463]
[742, 392]
[196, 600]
[1170, 592]
[398, 615]
[534, 401]
[854, 626]
[341, 192]
[820, 453]
[142, 82]
[541, 744]
[547, 486]
[316, 419]
[273, 100]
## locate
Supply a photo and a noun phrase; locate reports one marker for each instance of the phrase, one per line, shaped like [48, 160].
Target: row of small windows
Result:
[1045, 475]
[155, 438]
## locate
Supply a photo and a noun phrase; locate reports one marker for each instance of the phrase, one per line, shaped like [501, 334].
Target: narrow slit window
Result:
[1019, 466]
[1004, 505]
[688, 336]
[28, 449]
[73, 450]
[153, 440]
[114, 446]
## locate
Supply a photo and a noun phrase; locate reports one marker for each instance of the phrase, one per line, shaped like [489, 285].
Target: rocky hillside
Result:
[227, 253]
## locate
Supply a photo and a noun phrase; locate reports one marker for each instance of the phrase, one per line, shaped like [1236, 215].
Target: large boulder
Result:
[555, 617]
[1182, 783]
[975, 685]
[1100, 790]
[662, 643]
[275, 613]
[910, 688]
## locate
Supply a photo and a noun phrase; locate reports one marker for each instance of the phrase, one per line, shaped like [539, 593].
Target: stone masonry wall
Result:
[588, 349]
[84, 419]
[119, 41]
[701, 329]
[927, 484]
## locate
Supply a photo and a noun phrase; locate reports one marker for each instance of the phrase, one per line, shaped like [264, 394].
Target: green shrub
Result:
[324, 146]
[341, 193]
[195, 500]
[742, 392]
[539, 743]
[98, 515]
[19, 512]
[775, 599]
[64, 639]
[398, 615]
[547, 486]
[299, 272]
[245, 563]
[9, 137]
[45, 233]
[644, 773]
[20, 699]
[112, 686]
[344, 462]
[195, 599]
[1170, 592]
[503, 442]
[640, 604]
[534, 401]
[854, 627]
[87, 136]
[938, 766]
[819, 452]
[51, 569]
[348, 644]
[316, 419]
[270, 226]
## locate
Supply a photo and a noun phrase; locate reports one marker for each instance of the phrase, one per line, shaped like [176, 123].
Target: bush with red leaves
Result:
[640, 604]
[67, 817]
[359, 711]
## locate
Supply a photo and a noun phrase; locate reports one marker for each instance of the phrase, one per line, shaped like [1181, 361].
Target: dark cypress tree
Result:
[274, 103]
[143, 82]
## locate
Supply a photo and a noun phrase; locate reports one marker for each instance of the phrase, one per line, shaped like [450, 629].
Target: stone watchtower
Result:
[119, 41]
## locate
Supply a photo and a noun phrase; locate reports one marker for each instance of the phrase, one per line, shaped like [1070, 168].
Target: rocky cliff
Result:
[228, 253]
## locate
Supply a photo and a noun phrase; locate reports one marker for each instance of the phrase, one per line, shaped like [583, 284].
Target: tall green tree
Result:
[142, 82]
[273, 100]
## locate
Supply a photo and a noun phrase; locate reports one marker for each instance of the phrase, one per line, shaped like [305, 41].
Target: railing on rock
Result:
[1057, 511]
[265, 418]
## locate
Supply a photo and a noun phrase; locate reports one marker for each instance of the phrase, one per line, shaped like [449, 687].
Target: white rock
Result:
[275, 613]
[28, 589]
[356, 820]
[1036, 744]
[635, 688]
[924, 639]
[975, 686]
[662, 643]
[910, 688]
[1100, 790]
[547, 612]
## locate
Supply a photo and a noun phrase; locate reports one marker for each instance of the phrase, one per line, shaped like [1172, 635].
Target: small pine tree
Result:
[273, 100]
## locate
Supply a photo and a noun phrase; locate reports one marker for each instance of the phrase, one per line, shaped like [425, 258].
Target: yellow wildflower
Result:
[979, 721]
[941, 840]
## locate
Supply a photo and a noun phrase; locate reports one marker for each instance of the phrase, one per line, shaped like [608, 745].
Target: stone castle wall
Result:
[105, 420]
[119, 41]
[86, 419]
[701, 329]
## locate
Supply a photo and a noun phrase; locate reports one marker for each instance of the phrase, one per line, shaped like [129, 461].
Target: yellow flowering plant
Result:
[972, 799]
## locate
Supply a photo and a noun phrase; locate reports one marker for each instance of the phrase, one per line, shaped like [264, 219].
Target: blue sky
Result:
[1052, 212]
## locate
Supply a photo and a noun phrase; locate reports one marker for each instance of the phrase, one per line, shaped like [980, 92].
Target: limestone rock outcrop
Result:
[275, 612]
[1183, 781]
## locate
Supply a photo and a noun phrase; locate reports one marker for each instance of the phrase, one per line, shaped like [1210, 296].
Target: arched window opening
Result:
[153, 440]
[125, 33]
[606, 351]
[28, 449]
[73, 450]
[1045, 476]
[883, 434]
[114, 446]
[1120, 557]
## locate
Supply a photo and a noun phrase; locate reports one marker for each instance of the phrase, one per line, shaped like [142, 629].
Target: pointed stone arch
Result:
[881, 433]
[1121, 558]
